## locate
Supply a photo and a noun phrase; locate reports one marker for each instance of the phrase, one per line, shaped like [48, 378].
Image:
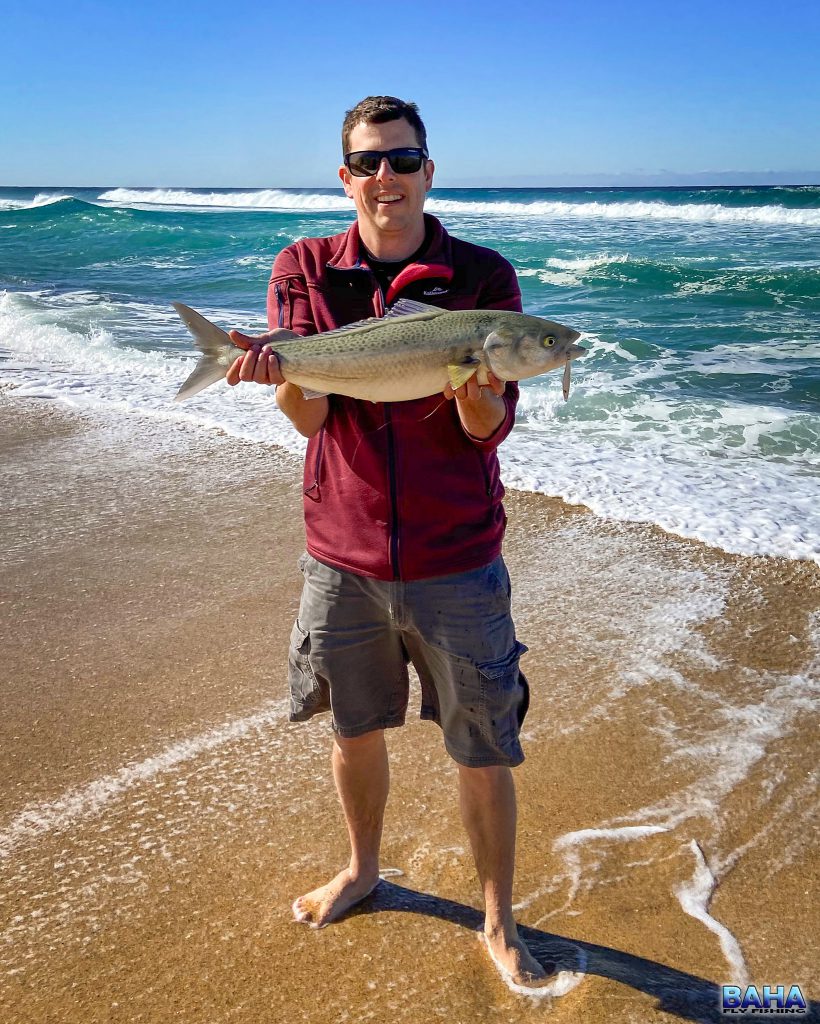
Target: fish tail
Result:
[212, 341]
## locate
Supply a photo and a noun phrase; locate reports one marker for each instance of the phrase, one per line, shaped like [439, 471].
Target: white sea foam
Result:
[281, 199]
[696, 471]
[559, 985]
[567, 845]
[75, 805]
[728, 739]
[690, 213]
[563, 273]
[264, 199]
[745, 508]
[694, 897]
[41, 199]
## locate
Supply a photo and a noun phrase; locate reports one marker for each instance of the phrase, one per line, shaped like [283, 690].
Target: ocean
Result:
[697, 407]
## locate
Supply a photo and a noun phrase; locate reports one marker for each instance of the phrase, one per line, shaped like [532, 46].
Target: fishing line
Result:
[375, 430]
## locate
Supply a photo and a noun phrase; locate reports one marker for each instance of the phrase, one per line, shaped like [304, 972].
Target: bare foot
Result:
[329, 902]
[515, 962]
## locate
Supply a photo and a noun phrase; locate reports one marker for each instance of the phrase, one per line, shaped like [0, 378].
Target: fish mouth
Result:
[574, 351]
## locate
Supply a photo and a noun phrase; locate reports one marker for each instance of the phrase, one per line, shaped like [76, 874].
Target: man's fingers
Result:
[263, 365]
[247, 367]
[497, 385]
[274, 370]
[232, 376]
[258, 365]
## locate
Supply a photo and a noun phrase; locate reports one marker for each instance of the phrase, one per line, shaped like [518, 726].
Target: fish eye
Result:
[549, 341]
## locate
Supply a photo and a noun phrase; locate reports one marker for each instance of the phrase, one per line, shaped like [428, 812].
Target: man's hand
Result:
[259, 364]
[473, 391]
[481, 408]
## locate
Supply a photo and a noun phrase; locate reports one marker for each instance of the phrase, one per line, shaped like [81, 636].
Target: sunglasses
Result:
[366, 162]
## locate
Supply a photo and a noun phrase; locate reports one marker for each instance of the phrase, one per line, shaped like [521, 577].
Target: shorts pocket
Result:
[308, 694]
[506, 700]
[500, 581]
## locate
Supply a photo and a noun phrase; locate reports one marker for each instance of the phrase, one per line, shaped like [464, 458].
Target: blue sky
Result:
[252, 94]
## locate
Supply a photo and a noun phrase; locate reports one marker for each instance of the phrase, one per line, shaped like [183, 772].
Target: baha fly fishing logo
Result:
[768, 999]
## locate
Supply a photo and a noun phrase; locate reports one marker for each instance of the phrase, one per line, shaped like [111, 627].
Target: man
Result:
[404, 524]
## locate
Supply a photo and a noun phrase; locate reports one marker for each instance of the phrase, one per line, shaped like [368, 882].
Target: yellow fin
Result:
[461, 374]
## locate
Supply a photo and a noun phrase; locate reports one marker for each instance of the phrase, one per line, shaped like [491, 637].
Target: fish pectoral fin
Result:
[407, 307]
[460, 373]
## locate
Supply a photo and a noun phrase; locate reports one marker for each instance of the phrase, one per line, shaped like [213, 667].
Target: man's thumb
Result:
[243, 341]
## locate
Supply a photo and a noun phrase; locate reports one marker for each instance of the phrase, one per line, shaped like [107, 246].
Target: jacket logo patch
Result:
[436, 291]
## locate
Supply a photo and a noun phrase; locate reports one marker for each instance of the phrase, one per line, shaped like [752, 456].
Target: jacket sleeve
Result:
[288, 296]
[500, 291]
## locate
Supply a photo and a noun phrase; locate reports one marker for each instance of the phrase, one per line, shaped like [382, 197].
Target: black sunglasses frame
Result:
[420, 152]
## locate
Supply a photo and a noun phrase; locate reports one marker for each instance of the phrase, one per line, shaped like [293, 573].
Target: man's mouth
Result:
[389, 197]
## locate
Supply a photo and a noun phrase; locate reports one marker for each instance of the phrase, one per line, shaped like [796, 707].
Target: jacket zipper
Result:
[379, 308]
[280, 304]
[394, 491]
[317, 465]
[487, 485]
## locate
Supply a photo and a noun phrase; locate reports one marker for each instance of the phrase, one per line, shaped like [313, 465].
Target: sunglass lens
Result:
[363, 164]
[405, 163]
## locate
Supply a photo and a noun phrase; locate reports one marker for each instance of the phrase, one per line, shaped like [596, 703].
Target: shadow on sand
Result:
[685, 995]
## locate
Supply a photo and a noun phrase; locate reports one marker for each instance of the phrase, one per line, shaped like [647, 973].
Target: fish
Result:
[412, 352]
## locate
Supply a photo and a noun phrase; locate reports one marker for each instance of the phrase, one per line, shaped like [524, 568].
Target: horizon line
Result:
[511, 184]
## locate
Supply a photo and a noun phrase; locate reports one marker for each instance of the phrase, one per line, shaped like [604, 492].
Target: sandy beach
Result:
[158, 813]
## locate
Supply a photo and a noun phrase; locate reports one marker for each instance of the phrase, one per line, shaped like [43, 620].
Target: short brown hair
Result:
[378, 110]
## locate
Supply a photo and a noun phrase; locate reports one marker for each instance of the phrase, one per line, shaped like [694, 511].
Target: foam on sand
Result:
[559, 985]
[38, 819]
[695, 897]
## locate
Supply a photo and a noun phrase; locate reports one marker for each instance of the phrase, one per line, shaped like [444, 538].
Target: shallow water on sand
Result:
[158, 815]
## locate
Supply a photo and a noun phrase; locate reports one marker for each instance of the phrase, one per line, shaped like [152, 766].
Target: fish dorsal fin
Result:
[358, 325]
[406, 307]
[209, 338]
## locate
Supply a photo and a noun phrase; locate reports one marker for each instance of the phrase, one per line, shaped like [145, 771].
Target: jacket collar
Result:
[438, 253]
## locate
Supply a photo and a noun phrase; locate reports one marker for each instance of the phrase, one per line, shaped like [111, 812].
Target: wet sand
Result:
[158, 814]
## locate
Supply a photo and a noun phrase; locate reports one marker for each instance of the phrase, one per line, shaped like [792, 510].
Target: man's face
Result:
[387, 204]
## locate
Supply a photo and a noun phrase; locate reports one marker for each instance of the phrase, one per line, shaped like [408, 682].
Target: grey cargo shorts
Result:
[354, 637]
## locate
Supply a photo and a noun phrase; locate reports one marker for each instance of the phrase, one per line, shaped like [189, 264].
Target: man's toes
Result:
[303, 912]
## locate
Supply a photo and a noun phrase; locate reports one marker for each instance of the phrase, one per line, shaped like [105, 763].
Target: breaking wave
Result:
[327, 201]
[263, 199]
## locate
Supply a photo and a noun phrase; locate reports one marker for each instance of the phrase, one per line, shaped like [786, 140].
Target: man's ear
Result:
[429, 170]
[344, 174]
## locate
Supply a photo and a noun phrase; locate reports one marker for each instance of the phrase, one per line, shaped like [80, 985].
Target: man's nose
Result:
[385, 171]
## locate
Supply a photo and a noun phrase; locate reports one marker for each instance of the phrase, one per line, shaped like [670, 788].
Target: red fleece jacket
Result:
[396, 490]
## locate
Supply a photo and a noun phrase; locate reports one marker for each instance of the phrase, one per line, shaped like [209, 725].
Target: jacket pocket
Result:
[284, 305]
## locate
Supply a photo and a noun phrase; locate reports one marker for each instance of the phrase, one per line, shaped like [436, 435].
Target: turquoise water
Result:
[697, 407]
